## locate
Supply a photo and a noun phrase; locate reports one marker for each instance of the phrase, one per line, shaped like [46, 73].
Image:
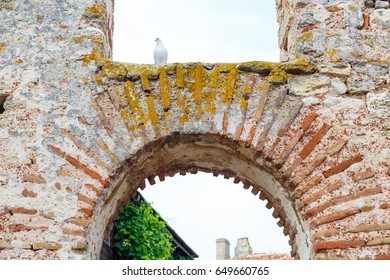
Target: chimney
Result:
[223, 249]
[242, 248]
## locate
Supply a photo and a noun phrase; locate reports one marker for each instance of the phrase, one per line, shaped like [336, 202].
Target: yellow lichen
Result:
[229, 86]
[179, 76]
[79, 40]
[210, 98]
[378, 61]
[95, 55]
[132, 100]
[113, 70]
[96, 11]
[2, 47]
[183, 119]
[9, 8]
[18, 61]
[306, 36]
[331, 55]
[164, 90]
[145, 82]
[198, 84]
[99, 80]
[244, 104]
[151, 110]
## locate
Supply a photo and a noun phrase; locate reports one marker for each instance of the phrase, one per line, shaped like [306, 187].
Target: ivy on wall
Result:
[140, 234]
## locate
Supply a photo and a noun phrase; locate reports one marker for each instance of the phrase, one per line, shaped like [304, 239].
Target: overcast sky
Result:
[202, 208]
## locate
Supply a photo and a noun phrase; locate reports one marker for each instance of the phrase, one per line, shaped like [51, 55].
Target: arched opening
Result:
[202, 208]
[208, 31]
[193, 153]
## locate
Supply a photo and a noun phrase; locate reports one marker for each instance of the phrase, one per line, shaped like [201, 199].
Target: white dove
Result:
[160, 53]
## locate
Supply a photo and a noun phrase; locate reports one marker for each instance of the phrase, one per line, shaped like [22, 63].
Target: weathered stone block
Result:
[381, 16]
[309, 85]
[379, 105]
[339, 86]
[340, 69]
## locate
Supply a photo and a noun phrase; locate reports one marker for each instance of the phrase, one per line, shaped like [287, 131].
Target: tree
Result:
[140, 234]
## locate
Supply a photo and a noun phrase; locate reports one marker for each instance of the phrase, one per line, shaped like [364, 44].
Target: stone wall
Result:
[81, 133]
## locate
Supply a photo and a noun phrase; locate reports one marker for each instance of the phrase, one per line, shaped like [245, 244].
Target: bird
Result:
[160, 53]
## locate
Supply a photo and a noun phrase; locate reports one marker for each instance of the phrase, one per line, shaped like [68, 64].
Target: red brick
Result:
[315, 196]
[325, 233]
[334, 217]
[22, 210]
[79, 222]
[379, 241]
[366, 21]
[86, 199]
[308, 170]
[306, 150]
[342, 166]
[46, 246]
[369, 227]
[289, 147]
[81, 245]
[31, 178]
[333, 9]
[225, 123]
[362, 176]
[93, 188]
[19, 228]
[27, 193]
[304, 188]
[73, 231]
[384, 206]
[308, 120]
[77, 164]
[86, 170]
[342, 199]
[87, 212]
[309, 27]
[328, 245]
[382, 257]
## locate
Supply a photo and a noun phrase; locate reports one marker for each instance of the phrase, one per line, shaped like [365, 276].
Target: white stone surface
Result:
[379, 104]
[339, 86]
[309, 85]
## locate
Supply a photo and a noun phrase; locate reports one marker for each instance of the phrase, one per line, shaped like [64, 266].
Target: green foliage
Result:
[141, 235]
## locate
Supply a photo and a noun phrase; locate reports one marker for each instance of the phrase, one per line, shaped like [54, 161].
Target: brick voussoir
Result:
[328, 245]
[342, 166]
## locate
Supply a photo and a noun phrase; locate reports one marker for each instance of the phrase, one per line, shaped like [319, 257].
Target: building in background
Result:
[243, 251]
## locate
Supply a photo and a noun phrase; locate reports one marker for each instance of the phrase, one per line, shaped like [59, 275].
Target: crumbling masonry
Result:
[80, 133]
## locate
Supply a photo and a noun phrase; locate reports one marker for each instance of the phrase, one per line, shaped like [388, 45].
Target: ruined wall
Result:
[80, 133]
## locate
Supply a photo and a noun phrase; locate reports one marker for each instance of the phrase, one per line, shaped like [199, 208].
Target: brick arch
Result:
[240, 113]
[191, 154]
[74, 122]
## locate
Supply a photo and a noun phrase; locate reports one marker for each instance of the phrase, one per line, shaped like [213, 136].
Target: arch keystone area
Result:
[80, 133]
